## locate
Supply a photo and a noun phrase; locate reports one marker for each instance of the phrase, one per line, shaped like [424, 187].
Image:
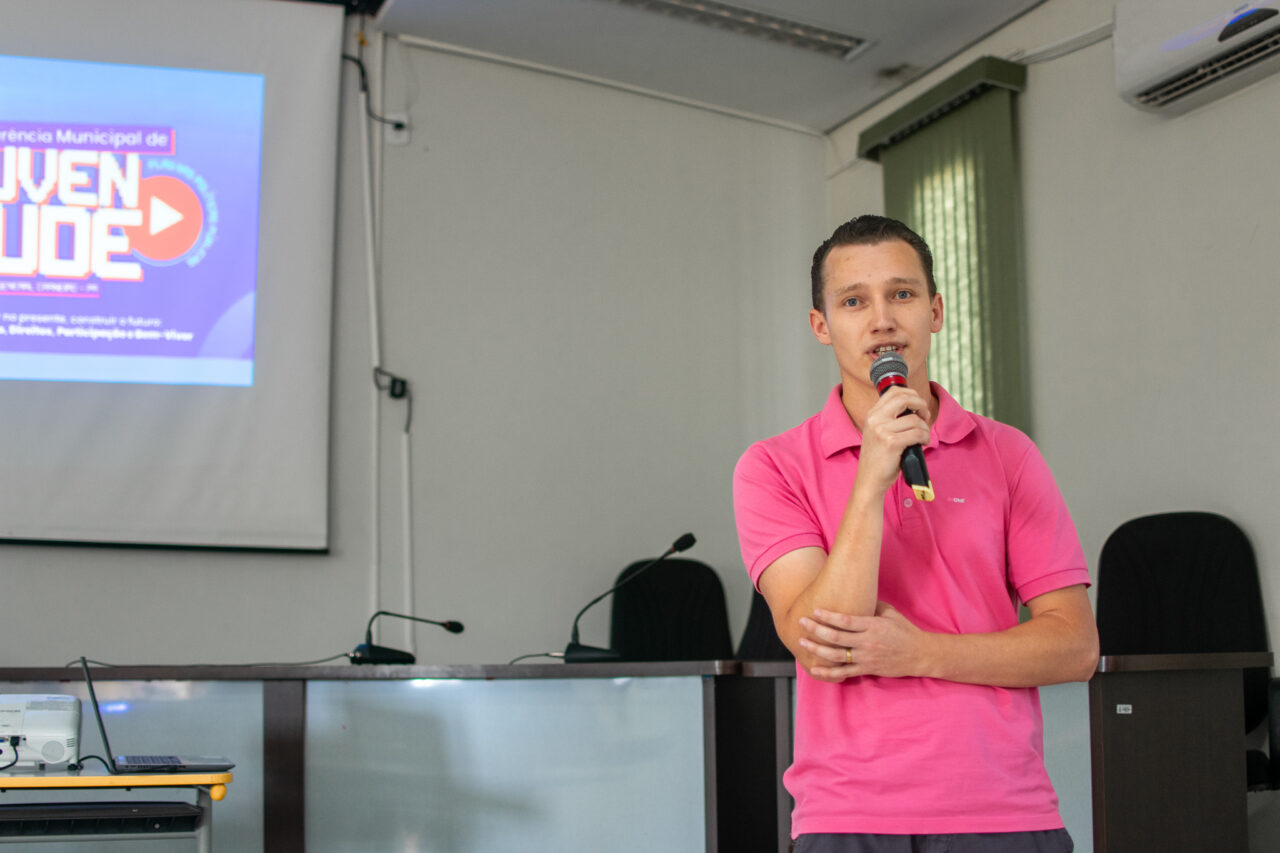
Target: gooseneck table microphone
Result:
[575, 652]
[367, 652]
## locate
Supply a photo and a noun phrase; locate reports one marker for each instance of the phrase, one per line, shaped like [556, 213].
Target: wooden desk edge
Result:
[616, 669]
[1153, 663]
[1107, 663]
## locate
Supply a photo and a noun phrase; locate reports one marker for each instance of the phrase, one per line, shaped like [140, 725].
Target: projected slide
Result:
[129, 201]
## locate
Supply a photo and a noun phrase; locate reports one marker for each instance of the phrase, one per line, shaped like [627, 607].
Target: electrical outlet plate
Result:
[393, 136]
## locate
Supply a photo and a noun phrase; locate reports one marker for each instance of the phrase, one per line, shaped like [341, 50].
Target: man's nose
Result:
[882, 314]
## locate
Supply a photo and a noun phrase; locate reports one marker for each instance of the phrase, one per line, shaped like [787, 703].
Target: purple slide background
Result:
[213, 122]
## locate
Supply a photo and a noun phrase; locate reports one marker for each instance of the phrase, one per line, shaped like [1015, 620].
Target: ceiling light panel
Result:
[724, 16]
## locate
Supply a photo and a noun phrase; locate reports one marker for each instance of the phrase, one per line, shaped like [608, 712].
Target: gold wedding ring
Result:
[848, 655]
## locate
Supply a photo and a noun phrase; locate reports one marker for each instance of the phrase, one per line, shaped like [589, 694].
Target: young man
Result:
[918, 724]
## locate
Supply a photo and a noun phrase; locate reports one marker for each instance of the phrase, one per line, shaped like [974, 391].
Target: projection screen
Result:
[167, 179]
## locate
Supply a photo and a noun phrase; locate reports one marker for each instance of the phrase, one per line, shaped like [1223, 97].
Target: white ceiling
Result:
[604, 39]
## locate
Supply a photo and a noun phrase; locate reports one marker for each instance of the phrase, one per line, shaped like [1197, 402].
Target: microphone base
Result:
[369, 653]
[578, 653]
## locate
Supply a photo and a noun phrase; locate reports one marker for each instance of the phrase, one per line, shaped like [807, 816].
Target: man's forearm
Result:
[1058, 644]
[850, 578]
[1045, 650]
[846, 579]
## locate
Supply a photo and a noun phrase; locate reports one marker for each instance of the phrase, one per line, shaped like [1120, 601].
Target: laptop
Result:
[150, 763]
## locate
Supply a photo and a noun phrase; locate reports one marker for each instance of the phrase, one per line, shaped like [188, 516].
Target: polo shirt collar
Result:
[838, 432]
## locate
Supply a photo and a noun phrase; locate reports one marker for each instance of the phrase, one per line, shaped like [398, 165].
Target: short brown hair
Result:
[867, 230]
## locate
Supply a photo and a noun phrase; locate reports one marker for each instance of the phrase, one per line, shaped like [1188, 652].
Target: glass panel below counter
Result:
[477, 765]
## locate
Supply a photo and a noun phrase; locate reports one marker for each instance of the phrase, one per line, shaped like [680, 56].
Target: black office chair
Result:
[674, 611]
[760, 638]
[1185, 583]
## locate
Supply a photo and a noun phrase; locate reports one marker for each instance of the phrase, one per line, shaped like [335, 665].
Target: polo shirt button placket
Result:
[908, 513]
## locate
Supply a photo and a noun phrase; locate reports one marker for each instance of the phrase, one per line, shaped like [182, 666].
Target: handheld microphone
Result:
[575, 652]
[367, 652]
[887, 371]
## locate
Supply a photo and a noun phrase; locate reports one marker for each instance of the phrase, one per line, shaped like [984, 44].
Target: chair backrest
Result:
[760, 637]
[674, 611]
[1180, 583]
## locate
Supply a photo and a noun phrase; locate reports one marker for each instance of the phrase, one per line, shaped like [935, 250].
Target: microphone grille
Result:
[886, 364]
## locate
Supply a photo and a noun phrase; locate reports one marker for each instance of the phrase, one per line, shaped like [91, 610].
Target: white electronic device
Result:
[1174, 55]
[40, 730]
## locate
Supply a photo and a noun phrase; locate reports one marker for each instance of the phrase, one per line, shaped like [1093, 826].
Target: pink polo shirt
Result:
[919, 755]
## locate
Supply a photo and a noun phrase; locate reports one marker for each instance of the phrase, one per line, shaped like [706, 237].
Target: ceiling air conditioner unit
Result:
[1174, 55]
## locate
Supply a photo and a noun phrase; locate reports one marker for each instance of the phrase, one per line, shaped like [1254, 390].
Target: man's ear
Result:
[818, 323]
[935, 305]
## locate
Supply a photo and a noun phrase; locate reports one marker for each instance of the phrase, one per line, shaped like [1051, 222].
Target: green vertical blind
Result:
[950, 172]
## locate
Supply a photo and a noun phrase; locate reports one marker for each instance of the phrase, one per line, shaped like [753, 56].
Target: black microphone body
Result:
[887, 371]
[367, 652]
[575, 652]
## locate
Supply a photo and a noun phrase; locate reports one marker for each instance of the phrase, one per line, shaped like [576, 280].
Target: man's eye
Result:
[904, 294]
[851, 302]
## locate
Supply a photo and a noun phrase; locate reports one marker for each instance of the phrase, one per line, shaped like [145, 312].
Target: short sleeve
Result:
[1044, 550]
[772, 515]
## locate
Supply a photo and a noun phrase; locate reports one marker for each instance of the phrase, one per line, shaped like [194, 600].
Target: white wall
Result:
[598, 299]
[1152, 264]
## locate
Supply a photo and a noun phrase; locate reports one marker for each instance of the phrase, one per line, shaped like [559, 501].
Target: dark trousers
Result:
[1039, 841]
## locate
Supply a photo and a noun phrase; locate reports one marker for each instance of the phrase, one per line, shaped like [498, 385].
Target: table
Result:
[719, 738]
[1168, 752]
[208, 787]
[497, 757]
